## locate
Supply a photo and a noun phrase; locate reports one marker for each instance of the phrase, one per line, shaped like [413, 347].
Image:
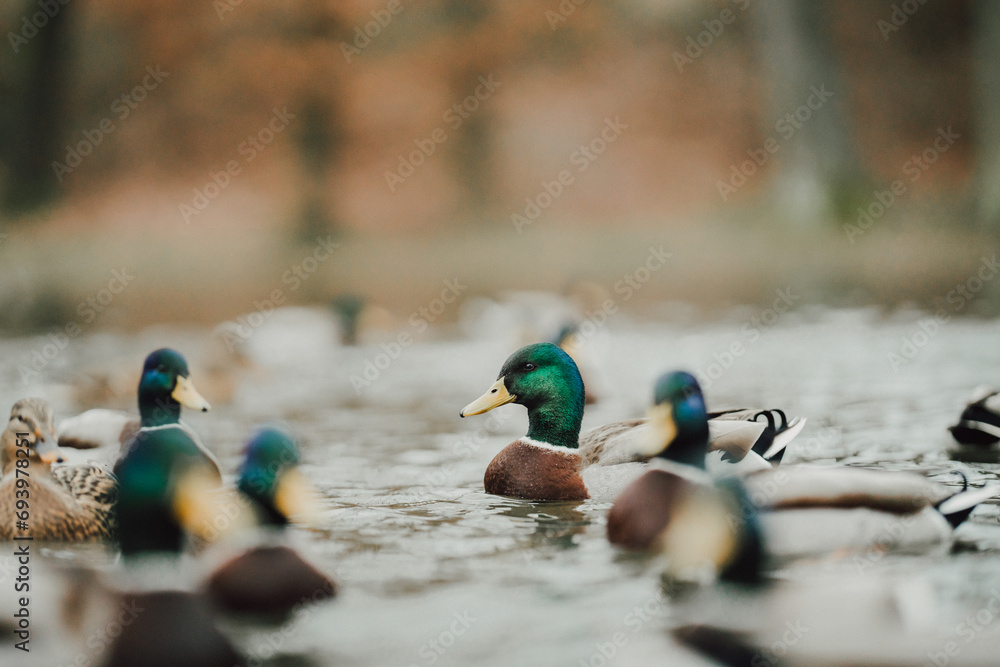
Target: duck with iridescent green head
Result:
[792, 511]
[165, 386]
[167, 503]
[553, 461]
[270, 578]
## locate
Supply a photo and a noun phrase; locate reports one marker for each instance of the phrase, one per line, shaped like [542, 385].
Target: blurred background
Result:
[210, 148]
[798, 201]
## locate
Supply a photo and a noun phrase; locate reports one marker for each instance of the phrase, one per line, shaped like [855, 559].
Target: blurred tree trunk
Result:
[820, 176]
[986, 110]
[319, 141]
[32, 138]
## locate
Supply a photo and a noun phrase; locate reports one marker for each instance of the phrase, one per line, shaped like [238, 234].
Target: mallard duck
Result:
[801, 510]
[833, 617]
[164, 386]
[165, 492]
[66, 503]
[270, 579]
[554, 462]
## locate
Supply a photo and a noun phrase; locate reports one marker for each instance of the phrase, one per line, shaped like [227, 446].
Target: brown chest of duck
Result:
[269, 580]
[67, 503]
[545, 463]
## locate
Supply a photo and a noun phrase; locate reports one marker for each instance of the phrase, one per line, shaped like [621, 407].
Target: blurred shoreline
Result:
[214, 273]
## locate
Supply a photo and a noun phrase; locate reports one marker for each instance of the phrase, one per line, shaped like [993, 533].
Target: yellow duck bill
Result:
[494, 397]
[660, 432]
[185, 394]
[296, 498]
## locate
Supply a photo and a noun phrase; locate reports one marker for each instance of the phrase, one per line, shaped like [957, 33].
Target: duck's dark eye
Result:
[161, 369]
[529, 366]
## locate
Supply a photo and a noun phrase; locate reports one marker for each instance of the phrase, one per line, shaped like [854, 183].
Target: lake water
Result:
[435, 572]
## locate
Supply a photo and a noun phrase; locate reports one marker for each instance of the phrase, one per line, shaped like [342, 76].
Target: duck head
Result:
[545, 380]
[30, 421]
[164, 387]
[678, 421]
[270, 477]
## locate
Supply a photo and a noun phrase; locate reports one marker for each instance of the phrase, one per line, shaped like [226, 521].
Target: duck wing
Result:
[736, 433]
[764, 431]
[95, 490]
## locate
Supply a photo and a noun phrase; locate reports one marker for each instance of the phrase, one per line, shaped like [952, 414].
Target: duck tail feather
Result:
[957, 508]
[776, 451]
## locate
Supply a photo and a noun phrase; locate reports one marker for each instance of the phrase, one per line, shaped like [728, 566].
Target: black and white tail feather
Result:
[957, 508]
[979, 424]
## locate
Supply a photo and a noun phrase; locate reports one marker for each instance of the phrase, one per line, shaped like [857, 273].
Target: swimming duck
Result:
[66, 503]
[164, 492]
[795, 511]
[164, 386]
[270, 579]
[166, 499]
[554, 462]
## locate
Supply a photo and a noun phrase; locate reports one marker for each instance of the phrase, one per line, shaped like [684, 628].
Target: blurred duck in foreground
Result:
[66, 503]
[554, 462]
[270, 579]
[165, 386]
[881, 618]
[789, 511]
[167, 496]
[167, 492]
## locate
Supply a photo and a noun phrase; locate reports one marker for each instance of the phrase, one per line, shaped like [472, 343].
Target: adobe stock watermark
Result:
[102, 638]
[901, 13]
[697, 45]
[454, 117]
[432, 650]
[88, 309]
[419, 321]
[969, 629]
[40, 19]
[363, 35]
[786, 127]
[122, 107]
[265, 645]
[562, 12]
[929, 327]
[244, 326]
[467, 445]
[912, 169]
[774, 654]
[223, 7]
[604, 653]
[750, 332]
[627, 287]
[581, 158]
[249, 149]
